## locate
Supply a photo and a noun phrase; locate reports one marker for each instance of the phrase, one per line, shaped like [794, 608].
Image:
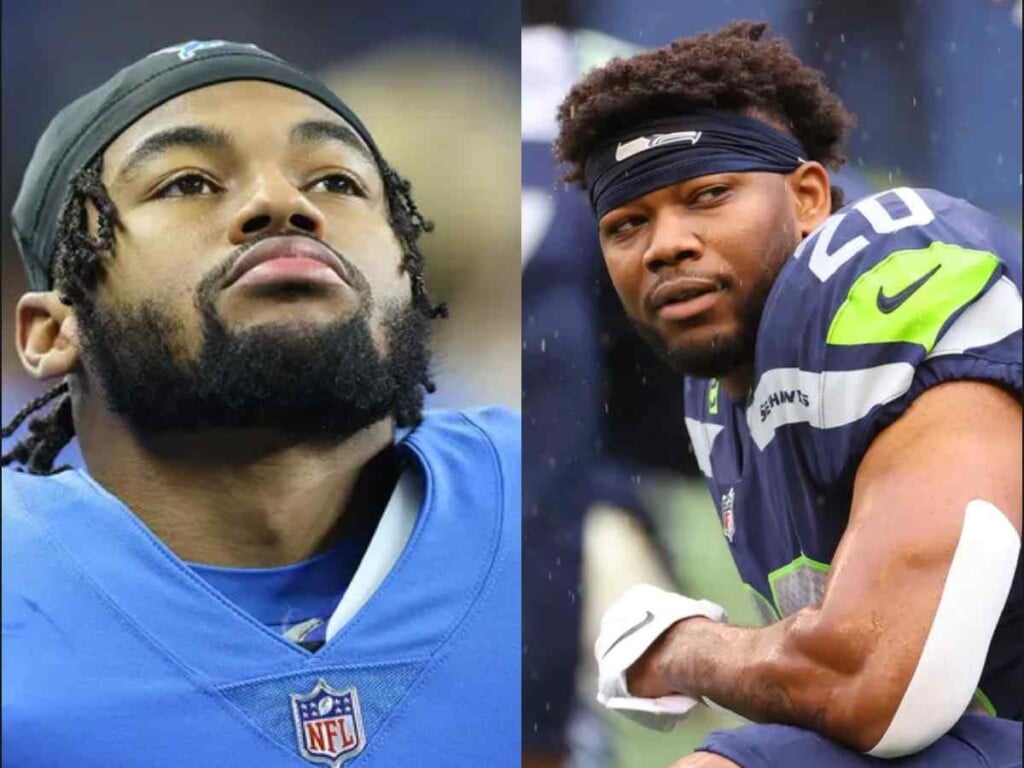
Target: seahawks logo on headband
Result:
[627, 149]
[673, 149]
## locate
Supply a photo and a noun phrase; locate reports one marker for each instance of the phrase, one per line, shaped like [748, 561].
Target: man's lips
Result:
[287, 259]
[670, 297]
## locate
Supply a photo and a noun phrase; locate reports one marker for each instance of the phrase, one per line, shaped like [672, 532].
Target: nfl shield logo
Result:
[328, 724]
[728, 521]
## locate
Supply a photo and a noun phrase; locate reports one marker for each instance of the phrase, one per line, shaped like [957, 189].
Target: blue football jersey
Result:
[115, 653]
[888, 297]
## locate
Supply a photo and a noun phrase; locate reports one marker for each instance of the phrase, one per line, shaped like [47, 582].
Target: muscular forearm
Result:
[778, 673]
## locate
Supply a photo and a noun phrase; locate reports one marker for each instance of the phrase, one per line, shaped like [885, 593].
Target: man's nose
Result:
[276, 205]
[674, 238]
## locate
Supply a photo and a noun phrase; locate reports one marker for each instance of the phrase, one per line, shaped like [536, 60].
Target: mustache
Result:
[212, 280]
[719, 279]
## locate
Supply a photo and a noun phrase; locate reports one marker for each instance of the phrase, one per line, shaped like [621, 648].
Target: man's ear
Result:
[47, 335]
[812, 190]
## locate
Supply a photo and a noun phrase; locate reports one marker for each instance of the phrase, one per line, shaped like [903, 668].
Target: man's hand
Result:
[646, 678]
[630, 626]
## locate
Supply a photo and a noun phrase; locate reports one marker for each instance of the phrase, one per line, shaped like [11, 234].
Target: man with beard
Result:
[273, 556]
[853, 383]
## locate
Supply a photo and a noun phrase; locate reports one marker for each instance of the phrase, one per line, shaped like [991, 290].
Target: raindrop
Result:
[913, 101]
[952, 47]
[842, 37]
[543, 345]
[810, 17]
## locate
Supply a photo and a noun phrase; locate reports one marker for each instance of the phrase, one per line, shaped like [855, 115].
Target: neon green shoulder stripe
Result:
[910, 295]
[985, 702]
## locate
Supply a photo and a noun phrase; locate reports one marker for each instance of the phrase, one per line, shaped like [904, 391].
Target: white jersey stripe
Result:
[702, 435]
[991, 318]
[823, 400]
[835, 398]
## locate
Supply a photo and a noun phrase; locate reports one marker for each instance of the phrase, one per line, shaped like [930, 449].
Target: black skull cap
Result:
[89, 124]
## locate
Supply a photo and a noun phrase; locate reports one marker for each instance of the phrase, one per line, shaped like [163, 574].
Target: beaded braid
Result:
[409, 224]
[48, 434]
[79, 255]
[77, 260]
[76, 269]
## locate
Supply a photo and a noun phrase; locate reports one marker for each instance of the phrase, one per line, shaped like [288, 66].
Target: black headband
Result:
[666, 151]
[86, 126]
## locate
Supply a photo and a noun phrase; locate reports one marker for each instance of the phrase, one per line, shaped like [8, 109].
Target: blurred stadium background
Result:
[936, 88]
[435, 82]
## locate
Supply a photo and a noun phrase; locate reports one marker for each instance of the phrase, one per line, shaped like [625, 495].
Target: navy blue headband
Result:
[86, 126]
[670, 150]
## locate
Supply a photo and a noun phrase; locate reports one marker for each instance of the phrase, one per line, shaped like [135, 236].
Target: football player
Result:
[273, 556]
[853, 380]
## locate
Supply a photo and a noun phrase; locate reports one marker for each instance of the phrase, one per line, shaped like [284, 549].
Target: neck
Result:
[240, 498]
[738, 381]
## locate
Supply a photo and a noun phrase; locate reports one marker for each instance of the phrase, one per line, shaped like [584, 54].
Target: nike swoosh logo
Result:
[632, 630]
[887, 304]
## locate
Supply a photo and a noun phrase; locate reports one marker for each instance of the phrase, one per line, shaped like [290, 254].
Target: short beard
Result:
[724, 353]
[319, 382]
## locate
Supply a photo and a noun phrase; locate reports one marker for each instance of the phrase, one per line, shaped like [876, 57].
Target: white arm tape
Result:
[979, 580]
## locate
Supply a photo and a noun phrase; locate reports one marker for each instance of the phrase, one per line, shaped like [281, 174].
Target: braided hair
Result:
[76, 270]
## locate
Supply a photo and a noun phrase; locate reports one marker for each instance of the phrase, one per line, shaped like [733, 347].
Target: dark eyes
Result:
[339, 184]
[197, 185]
[624, 227]
[709, 194]
[189, 185]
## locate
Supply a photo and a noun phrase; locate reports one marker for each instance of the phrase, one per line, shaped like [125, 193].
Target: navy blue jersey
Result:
[890, 296]
[115, 653]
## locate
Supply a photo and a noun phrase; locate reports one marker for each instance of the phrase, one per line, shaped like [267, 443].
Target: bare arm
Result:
[841, 668]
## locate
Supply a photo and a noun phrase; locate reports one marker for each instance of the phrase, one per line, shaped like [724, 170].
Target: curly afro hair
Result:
[739, 69]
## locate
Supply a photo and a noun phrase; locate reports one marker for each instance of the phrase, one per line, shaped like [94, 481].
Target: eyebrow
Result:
[197, 136]
[312, 131]
[205, 136]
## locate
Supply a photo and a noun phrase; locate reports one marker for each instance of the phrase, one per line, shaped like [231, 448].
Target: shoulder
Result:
[30, 504]
[864, 233]
[889, 297]
[896, 267]
[23, 491]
